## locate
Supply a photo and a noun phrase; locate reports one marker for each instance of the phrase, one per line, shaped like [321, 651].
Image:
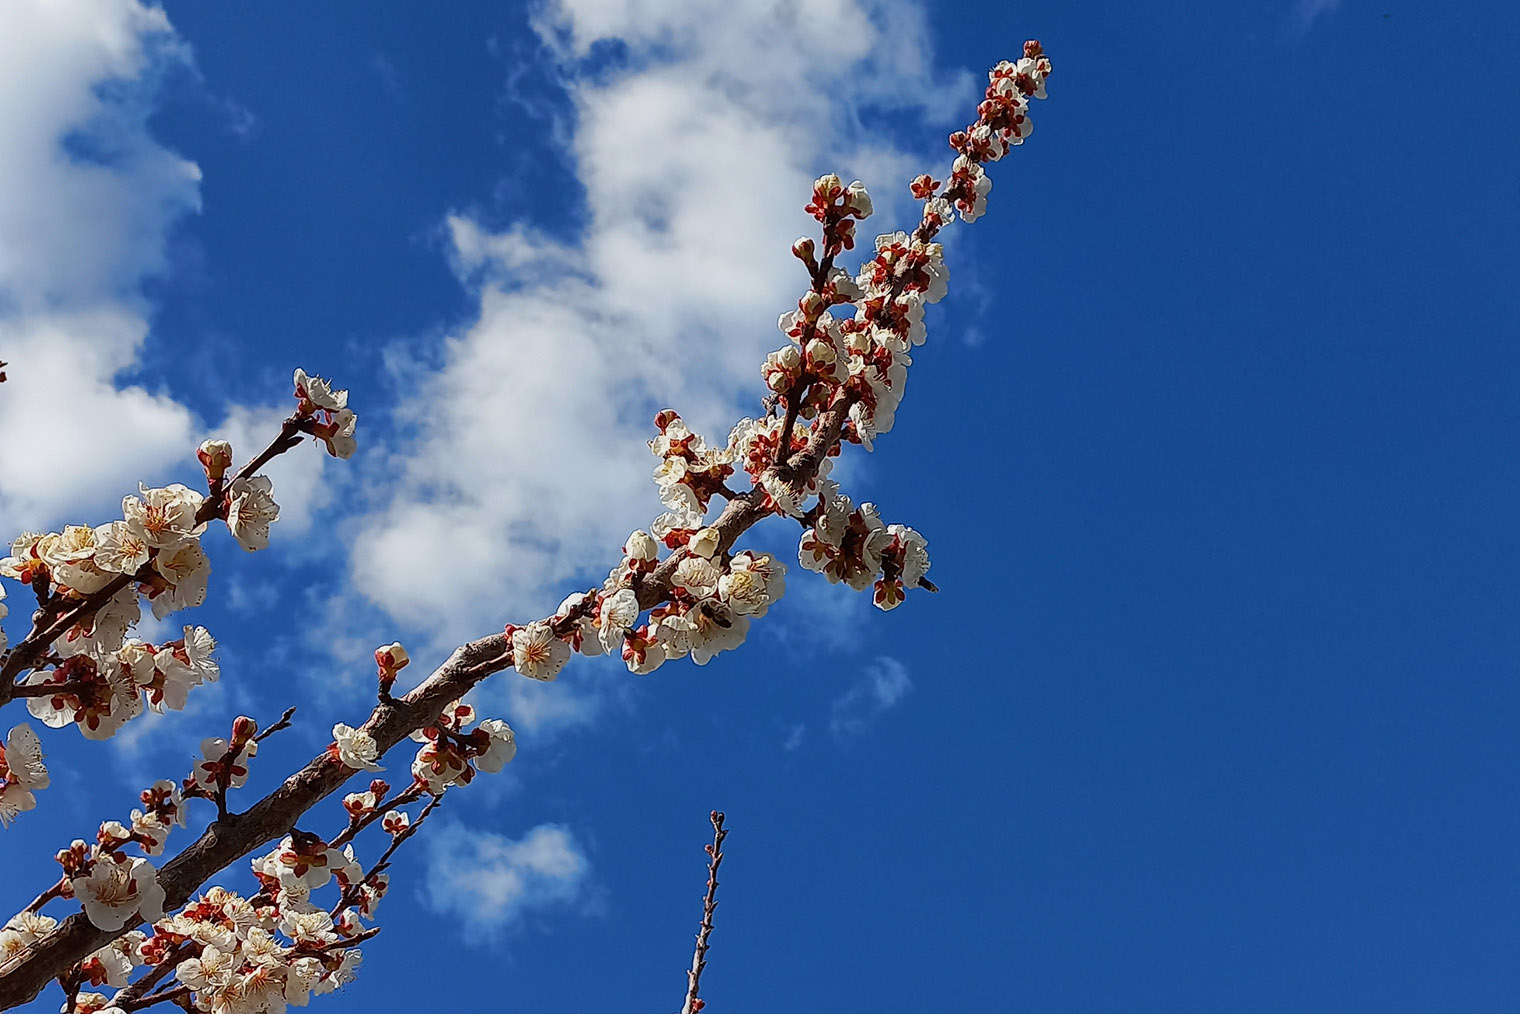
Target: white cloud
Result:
[86, 210]
[696, 144]
[884, 683]
[1309, 11]
[490, 882]
[794, 737]
[88, 201]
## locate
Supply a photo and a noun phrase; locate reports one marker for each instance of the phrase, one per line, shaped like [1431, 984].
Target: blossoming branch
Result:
[680, 589]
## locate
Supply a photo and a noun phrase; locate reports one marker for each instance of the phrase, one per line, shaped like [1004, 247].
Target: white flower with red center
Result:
[74, 545]
[165, 799]
[618, 612]
[395, 821]
[120, 548]
[338, 434]
[500, 748]
[439, 764]
[537, 653]
[164, 517]
[22, 773]
[305, 859]
[251, 511]
[150, 831]
[974, 185]
[70, 559]
[697, 576]
[261, 948]
[905, 561]
[752, 583]
[180, 579]
[314, 393]
[583, 636]
[359, 804]
[718, 629]
[25, 562]
[704, 543]
[302, 975]
[673, 627]
[90, 1003]
[21, 931]
[348, 966]
[109, 966]
[857, 201]
[642, 653]
[212, 765]
[212, 969]
[355, 748]
[177, 667]
[119, 890]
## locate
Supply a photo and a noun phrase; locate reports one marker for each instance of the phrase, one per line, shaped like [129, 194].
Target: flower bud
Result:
[243, 729]
[392, 656]
[802, 249]
[827, 187]
[215, 457]
[821, 353]
[857, 201]
[641, 547]
[704, 543]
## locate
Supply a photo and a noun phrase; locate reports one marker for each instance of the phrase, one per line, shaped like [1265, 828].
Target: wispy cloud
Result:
[490, 882]
[794, 737]
[884, 683]
[1307, 12]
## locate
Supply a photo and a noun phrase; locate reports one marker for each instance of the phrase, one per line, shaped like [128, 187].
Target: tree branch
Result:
[694, 1003]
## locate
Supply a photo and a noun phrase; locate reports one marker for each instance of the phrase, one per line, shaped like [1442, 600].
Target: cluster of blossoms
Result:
[79, 666]
[225, 953]
[854, 362]
[707, 610]
[326, 414]
[451, 751]
[850, 544]
[101, 691]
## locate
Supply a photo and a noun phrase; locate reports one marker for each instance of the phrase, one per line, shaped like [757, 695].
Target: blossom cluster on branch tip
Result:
[853, 363]
[331, 420]
[78, 665]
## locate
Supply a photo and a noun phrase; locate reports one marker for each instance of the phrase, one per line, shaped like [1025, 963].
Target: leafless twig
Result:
[694, 1003]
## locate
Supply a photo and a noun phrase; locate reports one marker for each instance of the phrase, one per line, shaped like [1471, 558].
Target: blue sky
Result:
[1211, 441]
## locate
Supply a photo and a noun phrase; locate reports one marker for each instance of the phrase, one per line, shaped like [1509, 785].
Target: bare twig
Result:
[694, 1003]
[280, 726]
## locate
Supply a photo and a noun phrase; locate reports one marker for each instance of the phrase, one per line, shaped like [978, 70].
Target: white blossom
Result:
[503, 745]
[163, 517]
[356, 748]
[252, 511]
[537, 653]
[117, 890]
